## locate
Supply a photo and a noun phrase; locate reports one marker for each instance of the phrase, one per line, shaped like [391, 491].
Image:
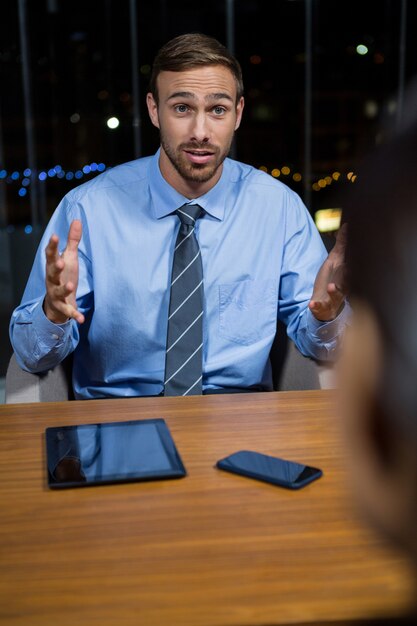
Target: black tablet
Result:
[92, 454]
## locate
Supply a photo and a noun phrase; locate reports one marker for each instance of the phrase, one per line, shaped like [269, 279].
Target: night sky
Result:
[80, 70]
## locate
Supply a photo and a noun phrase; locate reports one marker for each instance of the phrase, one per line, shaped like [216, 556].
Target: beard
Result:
[194, 172]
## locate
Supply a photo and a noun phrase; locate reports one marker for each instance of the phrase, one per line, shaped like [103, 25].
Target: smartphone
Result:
[269, 469]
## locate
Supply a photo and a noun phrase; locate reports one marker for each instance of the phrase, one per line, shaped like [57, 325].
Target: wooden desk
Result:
[211, 548]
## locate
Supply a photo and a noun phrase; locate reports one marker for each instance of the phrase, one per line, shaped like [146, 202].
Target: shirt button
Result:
[55, 336]
[324, 333]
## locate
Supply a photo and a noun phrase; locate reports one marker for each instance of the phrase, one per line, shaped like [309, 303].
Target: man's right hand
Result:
[62, 278]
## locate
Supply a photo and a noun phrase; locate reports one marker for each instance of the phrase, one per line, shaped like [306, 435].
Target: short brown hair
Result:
[194, 50]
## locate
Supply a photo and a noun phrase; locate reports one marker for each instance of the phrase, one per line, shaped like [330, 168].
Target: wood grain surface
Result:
[209, 549]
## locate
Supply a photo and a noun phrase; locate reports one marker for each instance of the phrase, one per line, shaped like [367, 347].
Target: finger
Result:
[74, 235]
[76, 315]
[54, 264]
[336, 296]
[335, 290]
[70, 312]
[327, 309]
[318, 307]
[54, 271]
[62, 292]
[341, 239]
[66, 309]
[337, 253]
[342, 232]
[330, 306]
[51, 250]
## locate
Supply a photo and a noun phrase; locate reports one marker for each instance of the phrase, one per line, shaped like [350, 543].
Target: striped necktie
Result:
[184, 350]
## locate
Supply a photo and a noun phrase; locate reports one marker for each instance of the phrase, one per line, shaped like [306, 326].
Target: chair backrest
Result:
[291, 371]
[52, 386]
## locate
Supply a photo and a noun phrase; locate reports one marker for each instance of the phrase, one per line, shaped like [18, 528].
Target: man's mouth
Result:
[200, 157]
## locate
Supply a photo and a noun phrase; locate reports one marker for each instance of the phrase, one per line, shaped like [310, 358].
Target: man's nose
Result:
[200, 130]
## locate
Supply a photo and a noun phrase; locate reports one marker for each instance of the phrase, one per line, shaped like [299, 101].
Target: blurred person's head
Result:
[379, 364]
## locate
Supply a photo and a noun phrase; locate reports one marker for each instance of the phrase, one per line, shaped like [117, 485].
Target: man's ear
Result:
[152, 109]
[239, 111]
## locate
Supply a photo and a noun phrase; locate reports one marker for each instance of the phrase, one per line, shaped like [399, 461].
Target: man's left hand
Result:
[329, 290]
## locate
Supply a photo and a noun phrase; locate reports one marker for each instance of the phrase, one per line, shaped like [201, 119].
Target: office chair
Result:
[52, 386]
[291, 371]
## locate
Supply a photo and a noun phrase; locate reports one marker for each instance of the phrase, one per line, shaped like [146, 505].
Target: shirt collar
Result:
[165, 199]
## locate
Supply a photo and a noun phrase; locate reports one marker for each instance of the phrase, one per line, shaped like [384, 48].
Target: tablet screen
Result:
[91, 454]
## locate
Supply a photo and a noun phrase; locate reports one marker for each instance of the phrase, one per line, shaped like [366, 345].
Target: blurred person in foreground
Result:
[141, 323]
[378, 368]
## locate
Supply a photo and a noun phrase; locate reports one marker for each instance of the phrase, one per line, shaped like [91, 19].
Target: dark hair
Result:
[381, 263]
[190, 51]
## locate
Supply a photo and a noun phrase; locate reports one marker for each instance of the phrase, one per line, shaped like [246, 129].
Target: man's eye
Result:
[181, 108]
[219, 110]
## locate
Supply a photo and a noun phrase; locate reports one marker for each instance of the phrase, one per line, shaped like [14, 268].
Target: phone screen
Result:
[270, 469]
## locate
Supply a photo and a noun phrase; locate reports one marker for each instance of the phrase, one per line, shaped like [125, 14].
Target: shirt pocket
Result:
[248, 310]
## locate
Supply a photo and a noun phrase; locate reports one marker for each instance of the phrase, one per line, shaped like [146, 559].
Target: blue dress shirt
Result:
[260, 253]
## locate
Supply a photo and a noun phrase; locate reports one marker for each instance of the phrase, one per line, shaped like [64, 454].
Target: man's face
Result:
[197, 116]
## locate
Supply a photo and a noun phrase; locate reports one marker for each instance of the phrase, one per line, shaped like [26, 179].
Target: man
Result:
[149, 306]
